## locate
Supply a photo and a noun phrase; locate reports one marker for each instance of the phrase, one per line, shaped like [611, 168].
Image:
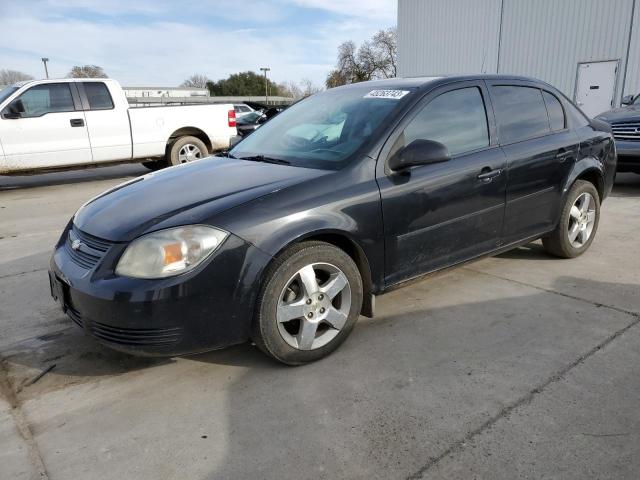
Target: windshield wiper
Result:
[262, 158]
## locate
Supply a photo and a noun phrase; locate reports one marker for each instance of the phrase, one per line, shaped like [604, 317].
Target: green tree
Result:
[242, 84]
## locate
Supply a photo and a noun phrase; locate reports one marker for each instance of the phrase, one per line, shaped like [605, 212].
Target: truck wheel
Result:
[309, 303]
[186, 149]
[578, 222]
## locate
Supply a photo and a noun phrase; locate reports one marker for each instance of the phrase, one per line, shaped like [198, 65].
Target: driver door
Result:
[444, 213]
[50, 131]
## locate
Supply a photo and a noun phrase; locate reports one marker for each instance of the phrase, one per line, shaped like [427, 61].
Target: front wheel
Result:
[309, 303]
[578, 222]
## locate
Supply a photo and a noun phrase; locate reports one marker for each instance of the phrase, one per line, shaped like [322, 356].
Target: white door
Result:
[48, 133]
[596, 86]
[109, 129]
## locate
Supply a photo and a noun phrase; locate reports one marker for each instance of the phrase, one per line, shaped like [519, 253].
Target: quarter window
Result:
[456, 119]
[555, 111]
[521, 113]
[98, 96]
[47, 98]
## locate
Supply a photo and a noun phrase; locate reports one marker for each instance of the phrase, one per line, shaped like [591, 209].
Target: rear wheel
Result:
[578, 222]
[309, 303]
[185, 150]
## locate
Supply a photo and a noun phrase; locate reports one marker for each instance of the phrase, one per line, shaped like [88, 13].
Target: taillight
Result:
[232, 118]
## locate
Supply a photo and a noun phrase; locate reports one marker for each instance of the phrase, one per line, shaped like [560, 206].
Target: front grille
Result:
[90, 249]
[626, 130]
[149, 337]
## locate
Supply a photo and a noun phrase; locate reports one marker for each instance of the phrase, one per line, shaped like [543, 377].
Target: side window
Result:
[47, 98]
[456, 119]
[98, 96]
[578, 119]
[520, 112]
[555, 111]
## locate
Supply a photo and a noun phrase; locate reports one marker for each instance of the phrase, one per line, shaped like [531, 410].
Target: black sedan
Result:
[250, 122]
[345, 195]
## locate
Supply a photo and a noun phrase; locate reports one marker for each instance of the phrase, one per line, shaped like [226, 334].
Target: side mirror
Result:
[14, 110]
[419, 152]
[627, 100]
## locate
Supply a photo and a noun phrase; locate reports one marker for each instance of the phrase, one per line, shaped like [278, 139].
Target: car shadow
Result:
[626, 185]
[71, 177]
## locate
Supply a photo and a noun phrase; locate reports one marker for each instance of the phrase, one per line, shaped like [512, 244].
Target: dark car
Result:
[345, 195]
[250, 122]
[625, 123]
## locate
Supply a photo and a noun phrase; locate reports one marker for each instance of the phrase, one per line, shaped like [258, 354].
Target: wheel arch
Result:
[589, 169]
[345, 242]
[191, 132]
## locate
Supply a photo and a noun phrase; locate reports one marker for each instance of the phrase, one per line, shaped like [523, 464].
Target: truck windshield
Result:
[325, 130]
[7, 92]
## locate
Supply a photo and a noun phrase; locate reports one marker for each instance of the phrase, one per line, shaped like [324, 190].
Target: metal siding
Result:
[632, 84]
[447, 36]
[547, 39]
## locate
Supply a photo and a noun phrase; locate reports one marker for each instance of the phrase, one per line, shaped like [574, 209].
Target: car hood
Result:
[627, 113]
[192, 193]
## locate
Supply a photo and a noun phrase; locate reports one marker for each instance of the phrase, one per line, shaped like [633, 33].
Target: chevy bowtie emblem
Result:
[76, 244]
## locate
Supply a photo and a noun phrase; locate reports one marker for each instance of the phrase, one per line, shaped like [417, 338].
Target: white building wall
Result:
[450, 36]
[545, 39]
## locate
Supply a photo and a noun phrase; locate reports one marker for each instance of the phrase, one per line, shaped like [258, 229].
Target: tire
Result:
[177, 151]
[584, 220]
[277, 328]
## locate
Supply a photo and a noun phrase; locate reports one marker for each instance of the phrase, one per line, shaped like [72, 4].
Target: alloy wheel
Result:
[188, 153]
[313, 306]
[582, 218]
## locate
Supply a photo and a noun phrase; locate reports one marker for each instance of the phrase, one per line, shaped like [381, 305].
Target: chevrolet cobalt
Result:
[286, 239]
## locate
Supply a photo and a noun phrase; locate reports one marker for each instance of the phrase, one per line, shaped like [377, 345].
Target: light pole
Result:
[266, 92]
[46, 71]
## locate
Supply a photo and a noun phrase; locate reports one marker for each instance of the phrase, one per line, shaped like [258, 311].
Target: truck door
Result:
[44, 127]
[108, 123]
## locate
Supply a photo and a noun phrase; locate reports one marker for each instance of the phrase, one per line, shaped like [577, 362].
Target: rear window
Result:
[521, 113]
[555, 111]
[98, 96]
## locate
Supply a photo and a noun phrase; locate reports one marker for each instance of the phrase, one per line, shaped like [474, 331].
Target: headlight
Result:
[169, 252]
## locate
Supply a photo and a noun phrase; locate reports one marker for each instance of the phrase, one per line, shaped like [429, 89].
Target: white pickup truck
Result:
[79, 123]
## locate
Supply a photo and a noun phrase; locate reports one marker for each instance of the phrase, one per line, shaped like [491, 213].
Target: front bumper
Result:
[208, 308]
[628, 156]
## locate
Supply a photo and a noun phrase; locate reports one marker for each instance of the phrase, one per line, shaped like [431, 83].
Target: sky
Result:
[163, 42]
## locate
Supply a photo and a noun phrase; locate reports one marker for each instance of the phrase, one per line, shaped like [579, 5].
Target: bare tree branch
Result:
[7, 77]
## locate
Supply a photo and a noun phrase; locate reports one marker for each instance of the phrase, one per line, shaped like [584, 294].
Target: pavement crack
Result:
[22, 425]
[548, 290]
[17, 274]
[529, 396]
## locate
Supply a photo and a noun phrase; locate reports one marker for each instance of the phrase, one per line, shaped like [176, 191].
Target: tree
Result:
[196, 81]
[375, 58]
[87, 71]
[7, 77]
[297, 90]
[242, 84]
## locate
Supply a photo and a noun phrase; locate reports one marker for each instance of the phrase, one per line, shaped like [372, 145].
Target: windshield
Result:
[7, 92]
[250, 117]
[326, 129]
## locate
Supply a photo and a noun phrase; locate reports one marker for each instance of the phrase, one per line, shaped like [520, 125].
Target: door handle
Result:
[487, 174]
[563, 154]
[76, 122]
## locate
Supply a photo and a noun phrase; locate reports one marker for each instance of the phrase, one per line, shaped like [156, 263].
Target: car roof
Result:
[419, 82]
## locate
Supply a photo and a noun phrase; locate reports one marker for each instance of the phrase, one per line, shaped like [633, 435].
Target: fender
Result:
[584, 166]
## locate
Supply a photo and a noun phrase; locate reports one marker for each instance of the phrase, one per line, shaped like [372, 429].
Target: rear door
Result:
[441, 214]
[50, 132]
[107, 123]
[541, 150]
